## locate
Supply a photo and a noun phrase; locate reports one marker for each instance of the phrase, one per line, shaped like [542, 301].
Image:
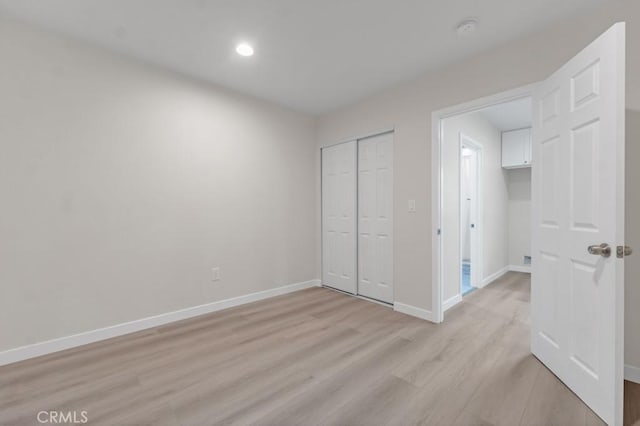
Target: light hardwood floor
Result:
[315, 357]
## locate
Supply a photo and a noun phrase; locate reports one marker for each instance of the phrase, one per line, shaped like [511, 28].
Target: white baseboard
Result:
[491, 278]
[413, 311]
[451, 302]
[632, 373]
[60, 344]
[518, 268]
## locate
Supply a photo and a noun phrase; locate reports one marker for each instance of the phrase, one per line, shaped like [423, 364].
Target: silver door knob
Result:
[603, 250]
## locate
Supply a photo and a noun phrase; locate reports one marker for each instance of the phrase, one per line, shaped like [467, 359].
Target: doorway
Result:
[485, 220]
[470, 246]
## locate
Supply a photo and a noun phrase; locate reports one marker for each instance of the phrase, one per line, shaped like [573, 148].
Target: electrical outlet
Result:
[215, 274]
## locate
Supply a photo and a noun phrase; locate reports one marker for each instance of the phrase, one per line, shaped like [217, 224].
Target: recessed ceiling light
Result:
[467, 27]
[243, 49]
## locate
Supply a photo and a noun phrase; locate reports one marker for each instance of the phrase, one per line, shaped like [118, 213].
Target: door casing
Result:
[437, 138]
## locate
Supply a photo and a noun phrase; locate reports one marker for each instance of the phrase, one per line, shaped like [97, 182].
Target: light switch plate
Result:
[412, 206]
[215, 274]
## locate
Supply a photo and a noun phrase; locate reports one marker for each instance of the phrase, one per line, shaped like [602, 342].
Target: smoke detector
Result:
[467, 27]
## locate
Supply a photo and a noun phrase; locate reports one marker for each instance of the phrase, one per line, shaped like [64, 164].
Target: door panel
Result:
[375, 217]
[339, 217]
[578, 198]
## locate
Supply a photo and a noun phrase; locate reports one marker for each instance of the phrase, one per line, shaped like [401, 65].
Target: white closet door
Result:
[339, 216]
[375, 217]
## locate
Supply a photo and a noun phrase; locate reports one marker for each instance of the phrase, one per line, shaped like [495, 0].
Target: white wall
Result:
[494, 199]
[408, 109]
[122, 186]
[519, 186]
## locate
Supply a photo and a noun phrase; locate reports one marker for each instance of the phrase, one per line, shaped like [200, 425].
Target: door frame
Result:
[436, 181]
[476, 242]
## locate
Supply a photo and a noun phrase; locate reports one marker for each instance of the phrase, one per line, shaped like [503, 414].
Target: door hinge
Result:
[623, 251]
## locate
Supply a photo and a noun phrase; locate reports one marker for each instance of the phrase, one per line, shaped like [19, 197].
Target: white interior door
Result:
[339, 216]
[578, 201]
[375, 217]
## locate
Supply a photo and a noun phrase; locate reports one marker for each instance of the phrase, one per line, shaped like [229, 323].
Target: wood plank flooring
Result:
[315, 357]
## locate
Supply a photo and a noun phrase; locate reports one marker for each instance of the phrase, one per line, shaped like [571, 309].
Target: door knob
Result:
[623, 251]
[603, 250]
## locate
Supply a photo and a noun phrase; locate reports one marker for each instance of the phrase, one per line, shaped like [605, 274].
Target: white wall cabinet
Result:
[516, 149]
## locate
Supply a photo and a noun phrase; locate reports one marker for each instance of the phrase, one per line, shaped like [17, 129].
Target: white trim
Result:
[68, 342]
[491, 278]
[436, 227]
[451, 302]
[436, 179]
[413, 311]
[382, 131]
[632, 374]
[519, 268]
[619, 30]
[487, 101]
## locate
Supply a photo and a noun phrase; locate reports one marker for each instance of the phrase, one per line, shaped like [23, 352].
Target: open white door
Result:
[577, 305]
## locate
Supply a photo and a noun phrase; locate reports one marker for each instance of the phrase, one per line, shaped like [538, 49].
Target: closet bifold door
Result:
[375, 217]
[339, 216]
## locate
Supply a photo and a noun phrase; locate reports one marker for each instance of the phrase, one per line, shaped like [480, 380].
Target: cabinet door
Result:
[516, 148]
